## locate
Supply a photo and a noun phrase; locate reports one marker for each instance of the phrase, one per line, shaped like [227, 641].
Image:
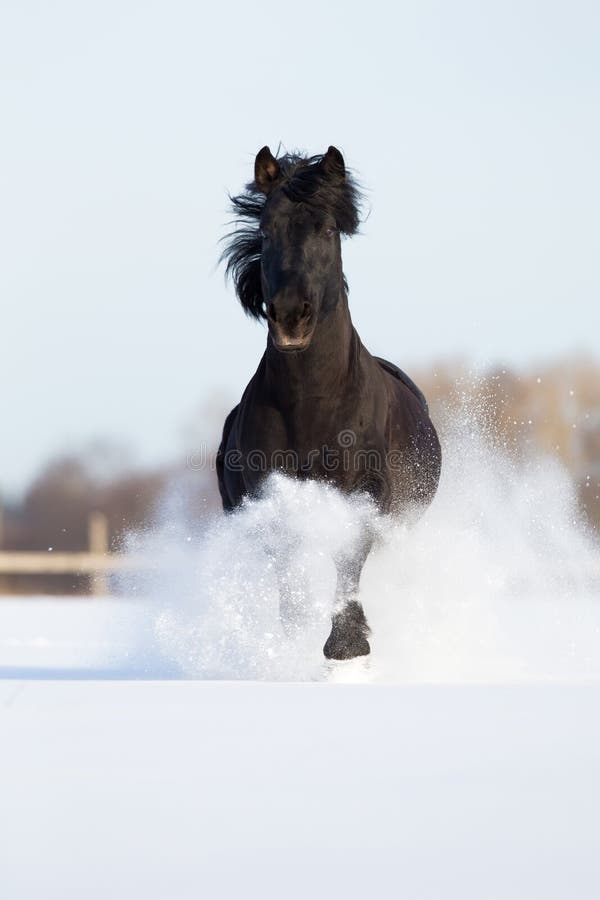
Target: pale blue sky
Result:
[473, 125]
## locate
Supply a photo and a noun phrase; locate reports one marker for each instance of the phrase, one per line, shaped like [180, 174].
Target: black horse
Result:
[319, 406]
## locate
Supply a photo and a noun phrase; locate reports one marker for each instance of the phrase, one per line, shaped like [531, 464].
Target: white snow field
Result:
[144, 753]
[180, 790]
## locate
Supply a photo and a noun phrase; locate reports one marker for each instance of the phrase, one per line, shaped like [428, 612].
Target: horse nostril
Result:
[305, 311]
[271, 312]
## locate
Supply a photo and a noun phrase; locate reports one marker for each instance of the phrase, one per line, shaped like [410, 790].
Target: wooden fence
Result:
[96, 562]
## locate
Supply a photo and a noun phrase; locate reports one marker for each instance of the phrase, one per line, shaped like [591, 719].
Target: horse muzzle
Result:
[291, 330]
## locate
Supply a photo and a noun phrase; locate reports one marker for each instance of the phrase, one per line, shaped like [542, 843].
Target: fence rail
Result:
[34, 563]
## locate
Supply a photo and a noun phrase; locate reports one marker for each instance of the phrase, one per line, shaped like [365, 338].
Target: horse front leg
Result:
[349, 628]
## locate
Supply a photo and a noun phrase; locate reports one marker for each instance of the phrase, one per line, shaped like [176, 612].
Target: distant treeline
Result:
[551, 409]
[54, 514]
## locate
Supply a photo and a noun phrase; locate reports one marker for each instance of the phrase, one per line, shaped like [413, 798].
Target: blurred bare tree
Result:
[552, 409]
[55, 511]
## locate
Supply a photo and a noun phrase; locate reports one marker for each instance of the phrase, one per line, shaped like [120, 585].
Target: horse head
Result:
[287, 261]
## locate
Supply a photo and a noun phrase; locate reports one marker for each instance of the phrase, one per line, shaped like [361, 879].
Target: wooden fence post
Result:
[98, 543]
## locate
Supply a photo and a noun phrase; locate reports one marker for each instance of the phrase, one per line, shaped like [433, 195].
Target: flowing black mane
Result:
[303, 180]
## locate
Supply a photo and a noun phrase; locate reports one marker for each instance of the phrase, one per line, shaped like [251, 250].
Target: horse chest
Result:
[316, 438]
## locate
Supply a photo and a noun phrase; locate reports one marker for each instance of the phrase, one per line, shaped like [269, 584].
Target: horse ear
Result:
[266, 170]
[333, 164]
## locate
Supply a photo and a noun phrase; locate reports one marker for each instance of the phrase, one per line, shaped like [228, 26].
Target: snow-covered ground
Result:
[69, 637]
[183, 789]
[462, 760]
[179, 790]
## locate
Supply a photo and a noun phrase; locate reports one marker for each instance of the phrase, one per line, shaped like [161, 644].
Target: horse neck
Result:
[324, 367]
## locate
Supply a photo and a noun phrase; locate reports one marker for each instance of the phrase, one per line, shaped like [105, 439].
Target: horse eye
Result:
[329, 232]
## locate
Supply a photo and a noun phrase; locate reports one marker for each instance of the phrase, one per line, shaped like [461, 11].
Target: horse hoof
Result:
[346, 646]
